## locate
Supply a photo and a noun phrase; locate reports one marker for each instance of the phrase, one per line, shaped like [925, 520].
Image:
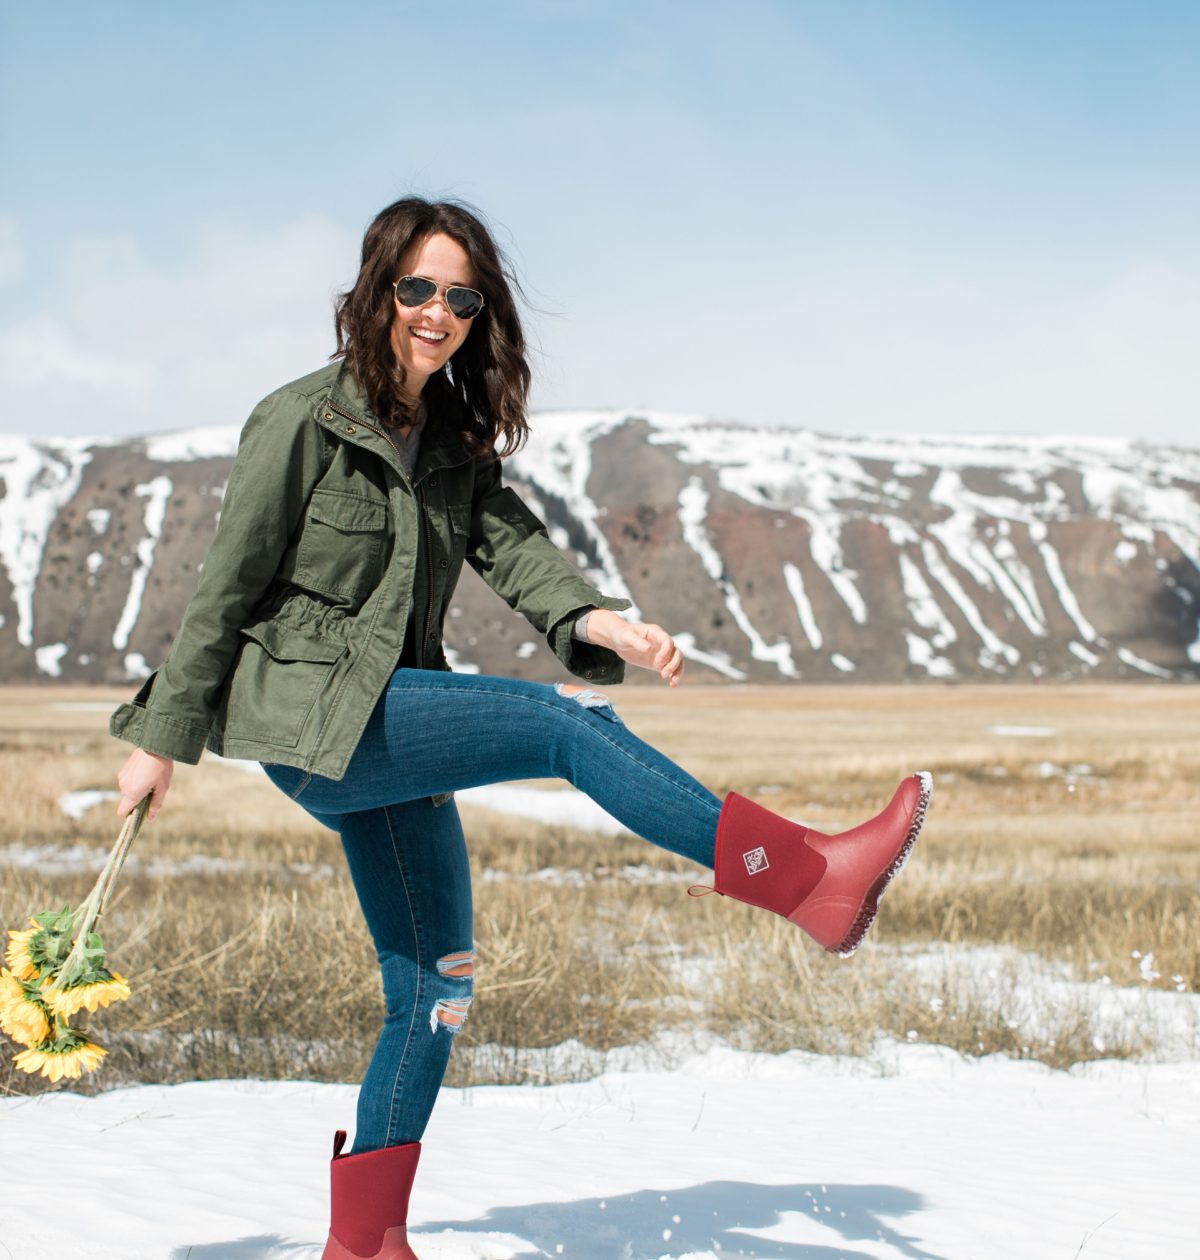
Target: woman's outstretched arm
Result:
[640, 643]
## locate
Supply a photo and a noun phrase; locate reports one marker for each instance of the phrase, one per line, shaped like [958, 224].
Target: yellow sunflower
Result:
[10, 988]
[66, 1002]
[17, 953]
[58, 1061]
[22, 1015]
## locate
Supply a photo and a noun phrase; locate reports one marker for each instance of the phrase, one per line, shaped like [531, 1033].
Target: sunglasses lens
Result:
[465, 303]
[414, 290]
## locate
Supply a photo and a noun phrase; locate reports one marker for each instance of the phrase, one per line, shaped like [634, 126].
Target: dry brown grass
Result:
[267, 970]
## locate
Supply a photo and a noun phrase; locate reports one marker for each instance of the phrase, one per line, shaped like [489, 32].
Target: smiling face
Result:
[424, 337]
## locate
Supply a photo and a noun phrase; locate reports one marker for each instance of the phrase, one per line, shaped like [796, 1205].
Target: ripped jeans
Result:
[432, 733]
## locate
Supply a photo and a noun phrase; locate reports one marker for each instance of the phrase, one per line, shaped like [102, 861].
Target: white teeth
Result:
[427, 334]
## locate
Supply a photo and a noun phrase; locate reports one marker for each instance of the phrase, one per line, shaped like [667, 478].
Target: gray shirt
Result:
[408, 447]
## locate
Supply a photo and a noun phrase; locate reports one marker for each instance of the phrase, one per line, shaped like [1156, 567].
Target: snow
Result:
[457, 664]
[49, 658]
[826, 550]
[1088, 658]
[686, 643]
[560, 463]
[76, 804]
[217, 442]
[940, 572]
[794, 582]
[970, 516]
[914, 1154]
[136, 666]
[98, 519]
[924, 609]
[1146, 667]
[693, 509]
[921, 654]
[562, 807]
[37, 479]
[1125, 551]
[1054, 571]
[157, 494]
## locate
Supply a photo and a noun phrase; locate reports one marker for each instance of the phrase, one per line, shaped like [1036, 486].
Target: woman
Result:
[313, 645]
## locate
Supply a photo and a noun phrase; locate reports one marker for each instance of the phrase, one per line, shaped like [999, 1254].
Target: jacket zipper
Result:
[424, 543]
[423, 526]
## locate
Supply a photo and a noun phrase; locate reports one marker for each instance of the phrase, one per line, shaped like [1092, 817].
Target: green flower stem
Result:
[85, 918]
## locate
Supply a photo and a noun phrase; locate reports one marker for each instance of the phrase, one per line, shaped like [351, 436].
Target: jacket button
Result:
[433, 480]
[327, 416]
[587, 673]
[445, 564]
[350, 428]
[432, 635]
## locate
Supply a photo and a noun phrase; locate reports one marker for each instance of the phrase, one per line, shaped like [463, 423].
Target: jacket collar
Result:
[441, 446]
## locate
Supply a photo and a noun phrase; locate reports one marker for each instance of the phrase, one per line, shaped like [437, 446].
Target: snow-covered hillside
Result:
[772, 554]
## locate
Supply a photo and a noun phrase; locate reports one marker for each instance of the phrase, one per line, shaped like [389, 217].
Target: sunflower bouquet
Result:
[56, 968]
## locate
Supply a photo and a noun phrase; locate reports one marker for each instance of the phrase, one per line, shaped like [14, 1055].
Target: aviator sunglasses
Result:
[416, 291]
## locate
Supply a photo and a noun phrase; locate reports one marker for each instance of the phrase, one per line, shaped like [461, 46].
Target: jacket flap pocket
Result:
[291, 645]
[347, 512]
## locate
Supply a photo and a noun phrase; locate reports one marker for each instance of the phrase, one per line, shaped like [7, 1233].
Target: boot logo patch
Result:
[756, 860]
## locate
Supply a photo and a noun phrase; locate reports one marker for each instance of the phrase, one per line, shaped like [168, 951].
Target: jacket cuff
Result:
[587, 660]
[156, 732]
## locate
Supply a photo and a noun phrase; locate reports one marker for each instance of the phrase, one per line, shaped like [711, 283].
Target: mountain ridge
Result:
[772, 554]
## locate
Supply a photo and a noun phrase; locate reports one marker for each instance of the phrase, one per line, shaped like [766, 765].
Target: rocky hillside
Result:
[773, 555]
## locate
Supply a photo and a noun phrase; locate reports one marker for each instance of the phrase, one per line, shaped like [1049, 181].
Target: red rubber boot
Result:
[369, 1202]
[829, 886]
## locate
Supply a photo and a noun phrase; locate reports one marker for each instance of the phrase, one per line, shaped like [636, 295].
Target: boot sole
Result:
[393, 1247]
[870, 906]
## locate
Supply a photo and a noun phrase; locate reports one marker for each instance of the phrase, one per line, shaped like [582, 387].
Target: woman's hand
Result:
[143, 772]
[638, 642]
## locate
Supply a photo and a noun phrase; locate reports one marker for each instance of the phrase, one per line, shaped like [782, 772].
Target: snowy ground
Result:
[915, 1154]
[912, 1154]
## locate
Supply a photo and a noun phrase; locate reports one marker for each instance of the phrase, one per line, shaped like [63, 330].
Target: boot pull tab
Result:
[339, 1140]
[702, 890]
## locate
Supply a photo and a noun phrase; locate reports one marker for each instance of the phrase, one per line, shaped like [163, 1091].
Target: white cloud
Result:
[41, 351]
[134, 344]
[910, 349]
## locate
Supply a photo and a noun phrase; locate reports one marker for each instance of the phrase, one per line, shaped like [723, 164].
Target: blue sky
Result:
[849, 215]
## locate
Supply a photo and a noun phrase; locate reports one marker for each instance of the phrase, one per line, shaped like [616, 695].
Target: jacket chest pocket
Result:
[341, 550]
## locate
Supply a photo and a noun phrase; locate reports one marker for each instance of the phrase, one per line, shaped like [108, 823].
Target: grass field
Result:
[1049, 912]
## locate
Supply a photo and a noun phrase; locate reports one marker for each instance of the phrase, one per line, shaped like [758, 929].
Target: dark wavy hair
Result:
[484, 390]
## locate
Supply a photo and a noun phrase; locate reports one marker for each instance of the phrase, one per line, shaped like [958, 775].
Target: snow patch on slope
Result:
[560, 462]
[39, 479]
[157, 494]
[693, 510]
[804, 610]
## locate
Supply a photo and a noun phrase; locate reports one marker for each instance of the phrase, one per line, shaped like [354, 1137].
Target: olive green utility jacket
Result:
[302, 606]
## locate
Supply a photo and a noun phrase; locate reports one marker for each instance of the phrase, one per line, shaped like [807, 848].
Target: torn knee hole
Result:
[460, 964]
[584, 696]
[449, 1013]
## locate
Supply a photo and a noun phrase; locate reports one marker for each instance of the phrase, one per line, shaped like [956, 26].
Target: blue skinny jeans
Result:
[435, 732]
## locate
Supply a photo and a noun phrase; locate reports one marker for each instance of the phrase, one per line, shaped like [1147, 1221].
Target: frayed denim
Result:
[433, 733]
